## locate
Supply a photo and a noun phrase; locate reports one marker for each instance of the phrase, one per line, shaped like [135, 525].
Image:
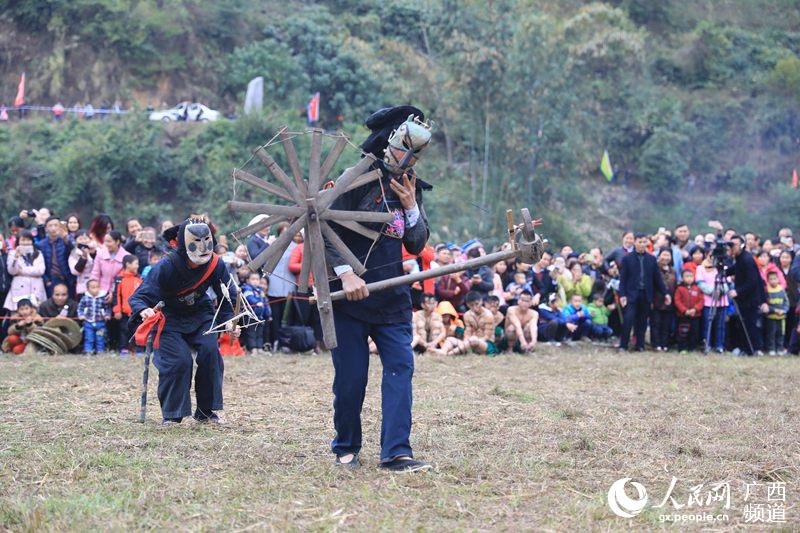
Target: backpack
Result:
[296, 334]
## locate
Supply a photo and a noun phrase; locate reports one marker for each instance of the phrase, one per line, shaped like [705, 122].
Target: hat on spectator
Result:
[469, 245]
[446, 308]
[256, 219]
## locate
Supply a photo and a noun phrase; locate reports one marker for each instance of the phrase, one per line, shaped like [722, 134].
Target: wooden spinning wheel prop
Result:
[310, 210]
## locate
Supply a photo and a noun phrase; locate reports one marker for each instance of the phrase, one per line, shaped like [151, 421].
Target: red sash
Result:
[158, 320]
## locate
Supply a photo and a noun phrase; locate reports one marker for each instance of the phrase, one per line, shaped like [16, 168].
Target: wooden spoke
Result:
[358, 216]
[342, 248]
[313, 163]
[363, 179]
[343, 181]
[359, 228]
[269, 258]
[305, 267]
[333, 157]
[271, 188]
[268, 209]
[258, 226]
[294, 163]
[279, 174]
[320, 271]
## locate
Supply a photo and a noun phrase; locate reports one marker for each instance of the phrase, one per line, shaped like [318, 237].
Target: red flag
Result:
[20, 99]
[312, 109]
[794, 179]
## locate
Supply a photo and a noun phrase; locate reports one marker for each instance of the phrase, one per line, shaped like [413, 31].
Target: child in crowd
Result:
[576, 313]
[454, 328]
[479, 326]
[515, 288]
[715, 304]
[552, 328]
[155, 257]
[689, 308]
[522, 323]
[24, 321]
[429, 330]
[599, 314]
[492, 303]
[124, 286]
[92, 310]
[256, 297]
[776, 317]
[663, 312]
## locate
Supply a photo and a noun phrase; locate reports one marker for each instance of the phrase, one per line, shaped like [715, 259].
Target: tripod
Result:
[716, 296]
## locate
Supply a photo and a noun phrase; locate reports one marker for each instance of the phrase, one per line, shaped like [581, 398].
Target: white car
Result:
[194, 112]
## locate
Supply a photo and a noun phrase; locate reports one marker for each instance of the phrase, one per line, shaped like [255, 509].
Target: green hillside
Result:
[698, 104]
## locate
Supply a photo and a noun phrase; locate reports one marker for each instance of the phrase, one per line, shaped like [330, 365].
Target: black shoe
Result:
[405, 464]
[213, 418]
[354, 463]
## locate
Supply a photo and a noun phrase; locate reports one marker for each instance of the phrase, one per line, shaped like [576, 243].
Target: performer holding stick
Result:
[398, 136]
[181, 280]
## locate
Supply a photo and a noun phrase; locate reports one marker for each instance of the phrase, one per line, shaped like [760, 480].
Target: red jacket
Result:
[127, 283]
[689, 297]
[296, 263]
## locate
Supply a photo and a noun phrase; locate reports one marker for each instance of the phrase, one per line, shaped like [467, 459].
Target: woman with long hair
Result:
[101, 225]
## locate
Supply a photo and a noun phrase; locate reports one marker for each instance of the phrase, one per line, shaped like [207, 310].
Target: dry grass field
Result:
[519, 443]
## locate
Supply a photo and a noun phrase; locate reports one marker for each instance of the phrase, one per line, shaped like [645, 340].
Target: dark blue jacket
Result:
[547, 315]
[185, 313]
[255, 296]
[630, 273]
[62, 249]
[750, 291]
[795, 269]
[384, 259]
[256, 245]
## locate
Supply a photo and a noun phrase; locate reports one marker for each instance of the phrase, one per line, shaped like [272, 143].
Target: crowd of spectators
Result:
[668, 283]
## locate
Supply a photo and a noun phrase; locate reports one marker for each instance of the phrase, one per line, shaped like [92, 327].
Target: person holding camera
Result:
[750, 296]
[56, 248]
[39, 217]
[27, 267]
[81, 261]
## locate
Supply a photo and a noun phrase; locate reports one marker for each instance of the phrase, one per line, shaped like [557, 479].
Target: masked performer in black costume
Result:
[398, 136]
[181, 280]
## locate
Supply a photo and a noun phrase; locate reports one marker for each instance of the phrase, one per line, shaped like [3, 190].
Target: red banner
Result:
[20, 99]
[312, 109]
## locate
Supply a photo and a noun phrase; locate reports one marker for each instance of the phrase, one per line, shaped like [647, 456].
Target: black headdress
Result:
[382, 123]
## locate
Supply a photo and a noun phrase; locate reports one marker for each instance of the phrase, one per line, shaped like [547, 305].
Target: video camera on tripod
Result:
[719, 247]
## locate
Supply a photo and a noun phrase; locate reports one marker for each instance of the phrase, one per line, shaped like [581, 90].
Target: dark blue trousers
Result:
[351, 367]
[635, 317]
[173, 359]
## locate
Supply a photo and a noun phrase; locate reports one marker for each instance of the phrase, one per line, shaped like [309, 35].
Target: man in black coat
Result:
[749, 294]
[59, 304]
[638, 282]
[398, 134]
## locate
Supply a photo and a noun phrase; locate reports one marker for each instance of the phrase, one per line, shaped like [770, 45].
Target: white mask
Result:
[199, 243]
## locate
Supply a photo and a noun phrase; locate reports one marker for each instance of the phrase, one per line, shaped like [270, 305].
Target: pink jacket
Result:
[772, 267]
[705, 277]
[106, 267]
[27, 282]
